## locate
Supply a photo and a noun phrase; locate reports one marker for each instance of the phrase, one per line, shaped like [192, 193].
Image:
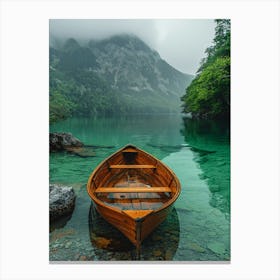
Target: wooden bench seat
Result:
[133, 190]
[132, 166]
[129, 150]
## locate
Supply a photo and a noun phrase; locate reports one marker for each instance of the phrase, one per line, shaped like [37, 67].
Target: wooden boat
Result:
[133, 191]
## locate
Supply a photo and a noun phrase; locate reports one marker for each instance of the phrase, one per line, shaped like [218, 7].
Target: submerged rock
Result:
[63, 141]
[81, 151]
[168, 254]
[61, 201]
[157, 253]
[83, 258]
[101, 242]
[195, 247]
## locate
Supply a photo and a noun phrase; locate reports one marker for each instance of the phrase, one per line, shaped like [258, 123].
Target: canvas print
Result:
[139, 137]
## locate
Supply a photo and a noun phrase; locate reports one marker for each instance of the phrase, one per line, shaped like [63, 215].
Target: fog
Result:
[180, 42]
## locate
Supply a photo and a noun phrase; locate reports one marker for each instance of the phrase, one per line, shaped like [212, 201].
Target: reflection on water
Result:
[210, 141]
[60, 223]
[204, 230]
[166, 148]
[198, 152]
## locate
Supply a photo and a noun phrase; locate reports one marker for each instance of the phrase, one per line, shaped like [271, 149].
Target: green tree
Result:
[208, 96]
[60, 107]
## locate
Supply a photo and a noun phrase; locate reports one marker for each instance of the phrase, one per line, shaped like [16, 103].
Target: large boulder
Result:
[61, 201]
[63, 141]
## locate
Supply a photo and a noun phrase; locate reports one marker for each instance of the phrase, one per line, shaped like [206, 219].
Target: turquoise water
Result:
[198, 228]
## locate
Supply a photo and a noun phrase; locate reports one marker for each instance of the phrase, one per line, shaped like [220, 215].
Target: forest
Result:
[208, 95]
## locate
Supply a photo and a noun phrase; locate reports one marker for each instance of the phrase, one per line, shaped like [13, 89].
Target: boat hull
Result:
[136, 230]
[134, 192]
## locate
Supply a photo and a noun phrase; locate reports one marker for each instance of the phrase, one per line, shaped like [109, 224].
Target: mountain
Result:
[120, 74]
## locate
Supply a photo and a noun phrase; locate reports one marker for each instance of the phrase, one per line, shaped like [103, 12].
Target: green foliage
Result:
[60, 107]
[208, 96]
[209, 93]
[88, 92]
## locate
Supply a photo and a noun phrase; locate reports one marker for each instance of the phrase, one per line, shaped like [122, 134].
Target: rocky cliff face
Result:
[129, 68]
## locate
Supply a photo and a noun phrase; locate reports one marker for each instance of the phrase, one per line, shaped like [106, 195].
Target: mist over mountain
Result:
[120, 74]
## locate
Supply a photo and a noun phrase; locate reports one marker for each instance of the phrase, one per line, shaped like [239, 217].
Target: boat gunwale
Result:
[102, 204]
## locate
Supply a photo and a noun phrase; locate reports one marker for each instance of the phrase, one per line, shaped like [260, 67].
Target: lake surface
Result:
[197, 229]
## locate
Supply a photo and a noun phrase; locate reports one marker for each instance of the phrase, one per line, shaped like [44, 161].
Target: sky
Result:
[180, 42]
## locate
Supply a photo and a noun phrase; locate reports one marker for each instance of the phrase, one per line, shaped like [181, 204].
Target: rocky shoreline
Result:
[62, 141]
[65, 141]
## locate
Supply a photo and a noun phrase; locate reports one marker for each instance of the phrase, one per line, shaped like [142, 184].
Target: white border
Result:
[255, 138]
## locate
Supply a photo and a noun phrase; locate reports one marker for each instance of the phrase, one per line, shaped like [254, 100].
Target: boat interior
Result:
[134, 182]
[132, 189]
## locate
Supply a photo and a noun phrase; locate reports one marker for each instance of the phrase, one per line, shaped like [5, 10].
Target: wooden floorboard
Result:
[132, 166]
[133, 190]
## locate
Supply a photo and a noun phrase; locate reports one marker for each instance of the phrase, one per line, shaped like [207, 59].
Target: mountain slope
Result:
[120, 74]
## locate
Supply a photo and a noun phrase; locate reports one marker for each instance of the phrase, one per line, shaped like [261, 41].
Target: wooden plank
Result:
[136, 204]
[132, 166]
[113, 201]
[133, 190]
[153, 202]
[136, 214]
[129, 150]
